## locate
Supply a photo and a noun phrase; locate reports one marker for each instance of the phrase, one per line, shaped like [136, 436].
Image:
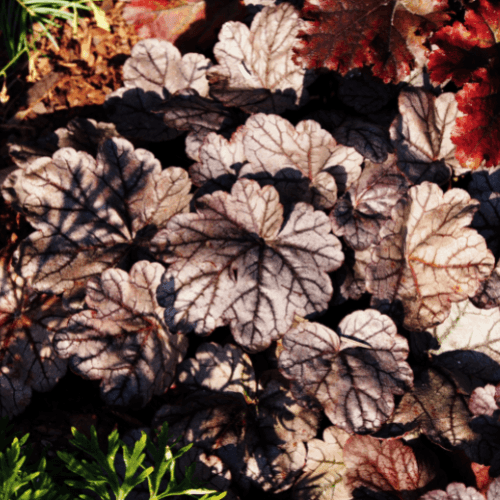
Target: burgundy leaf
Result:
[388, 467]
[345, 35]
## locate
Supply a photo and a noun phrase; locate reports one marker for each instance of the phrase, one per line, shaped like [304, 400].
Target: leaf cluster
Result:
[342, 257]
[397, 38]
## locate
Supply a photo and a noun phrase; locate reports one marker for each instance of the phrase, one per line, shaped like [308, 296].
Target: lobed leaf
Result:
[259, 436]
[28, 323]
[122, 338]
[387, 467]
[235, 262]
[345, 35]
[470, 328]
[368, 137]
[90, 214]
[255, 71]
[322, 478]
[437, 406]
[153, 73]
[305, 161]
[433, 260]
[421, 134]
[454, 491]
[355, 385]
[362, 211]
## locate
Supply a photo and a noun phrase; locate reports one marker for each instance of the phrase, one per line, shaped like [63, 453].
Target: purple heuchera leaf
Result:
[256, 430]
[28, 322]
[369, 138]
[90, 214]
[154, 72]
[225, 369]
[354, 376]
[82, 134]
[322, 477]
[388, 467]
[123, 339]
[234, 262]
[433, 259]
[255, 71]
[219, 160]
[437, 407]
[188, 110]
[468, 328]
[485, 187]
[482, 401]
[421, 134]
[362, 212]
[455, 491]
[305, 161]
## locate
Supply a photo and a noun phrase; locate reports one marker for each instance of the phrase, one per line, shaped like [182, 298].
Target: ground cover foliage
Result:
[335, 222]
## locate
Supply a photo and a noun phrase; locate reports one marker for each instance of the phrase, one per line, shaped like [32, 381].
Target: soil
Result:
[59, 84]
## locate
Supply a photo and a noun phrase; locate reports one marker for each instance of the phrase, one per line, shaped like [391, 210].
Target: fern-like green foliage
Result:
[20, 482]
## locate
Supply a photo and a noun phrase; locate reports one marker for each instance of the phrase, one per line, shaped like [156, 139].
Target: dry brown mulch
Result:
[70, 81]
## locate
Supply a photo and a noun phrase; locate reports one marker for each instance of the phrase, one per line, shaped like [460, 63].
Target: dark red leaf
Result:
[461, 45]
[477, 135]
[389, 35]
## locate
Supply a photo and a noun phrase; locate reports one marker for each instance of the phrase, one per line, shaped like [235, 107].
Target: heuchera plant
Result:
[335, 233]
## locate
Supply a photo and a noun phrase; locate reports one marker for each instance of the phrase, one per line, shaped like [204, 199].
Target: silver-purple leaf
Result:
[235, 262]
[454, 491]
[434, 260]
[153, 73]
[354, 376]
[359, 214]
[219, 160]
[28, 323]
[90, 214]
[322, 477]
[296, 155]
[255, 71]
[259, 438]
[421, 135]
[122, 339]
